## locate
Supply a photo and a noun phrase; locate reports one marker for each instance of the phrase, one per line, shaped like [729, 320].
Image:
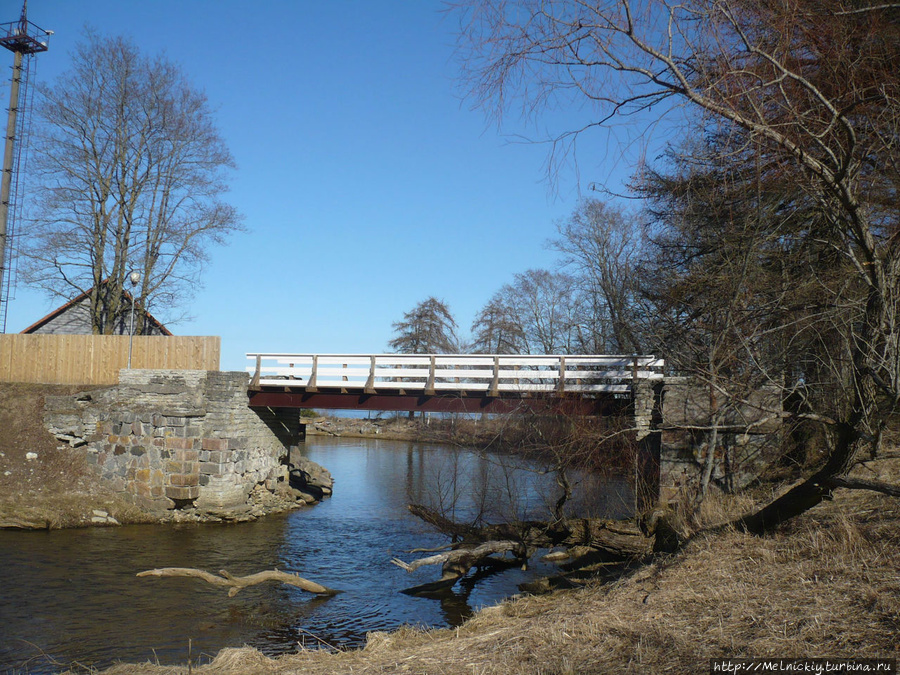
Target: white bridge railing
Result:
[490, 374]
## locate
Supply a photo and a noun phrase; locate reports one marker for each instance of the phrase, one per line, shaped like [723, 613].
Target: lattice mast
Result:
[22, 38]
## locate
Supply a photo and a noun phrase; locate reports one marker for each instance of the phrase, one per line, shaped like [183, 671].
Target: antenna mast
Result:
[22, 38]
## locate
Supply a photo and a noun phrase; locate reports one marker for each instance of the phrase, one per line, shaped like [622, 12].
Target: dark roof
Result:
[74, 301]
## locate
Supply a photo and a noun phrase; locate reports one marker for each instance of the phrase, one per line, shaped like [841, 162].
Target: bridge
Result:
[471, 383]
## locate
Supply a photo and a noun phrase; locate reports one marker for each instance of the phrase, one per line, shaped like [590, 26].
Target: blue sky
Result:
[366, 182]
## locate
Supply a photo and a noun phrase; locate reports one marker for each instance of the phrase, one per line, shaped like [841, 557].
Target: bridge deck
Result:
[447, 382]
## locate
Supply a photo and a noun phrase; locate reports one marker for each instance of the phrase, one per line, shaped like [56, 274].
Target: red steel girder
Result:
[475, 403]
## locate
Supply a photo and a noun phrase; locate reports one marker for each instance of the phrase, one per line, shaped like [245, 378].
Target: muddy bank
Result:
[390, 428]
[42, 483]
[508, 432]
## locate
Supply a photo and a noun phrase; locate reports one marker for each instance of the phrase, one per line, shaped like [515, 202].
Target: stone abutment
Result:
[673, 423]
[176, 438]
[748, 437]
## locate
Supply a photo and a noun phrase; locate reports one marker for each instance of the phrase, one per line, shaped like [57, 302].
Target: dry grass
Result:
[827, 585]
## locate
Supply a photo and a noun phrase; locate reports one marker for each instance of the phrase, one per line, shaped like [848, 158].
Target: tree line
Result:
[588, 304]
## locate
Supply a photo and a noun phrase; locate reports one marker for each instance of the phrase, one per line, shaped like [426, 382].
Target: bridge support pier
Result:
[647, 407]
[749, 440]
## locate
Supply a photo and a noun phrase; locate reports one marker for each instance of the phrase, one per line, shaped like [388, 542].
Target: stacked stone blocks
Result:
[168, 438]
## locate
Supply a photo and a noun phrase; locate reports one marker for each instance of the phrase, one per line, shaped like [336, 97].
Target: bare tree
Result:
[543, 305]
[496, 330]
[601, 243]
[733, 296]
[810, 84]
[428, 328]
[132, 173]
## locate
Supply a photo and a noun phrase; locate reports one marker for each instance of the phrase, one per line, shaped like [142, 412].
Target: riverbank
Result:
[827, 584]
[535, 435]
[47, 485]
[466, 431]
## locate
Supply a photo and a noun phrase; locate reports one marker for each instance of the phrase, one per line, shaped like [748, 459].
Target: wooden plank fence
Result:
[97, 359]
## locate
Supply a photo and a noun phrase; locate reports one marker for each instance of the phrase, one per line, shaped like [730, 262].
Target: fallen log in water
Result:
[237, 584]
[457, 563]
[591, 541]
[618, 539]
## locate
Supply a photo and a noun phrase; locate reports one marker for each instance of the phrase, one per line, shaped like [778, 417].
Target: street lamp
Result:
[135, 278]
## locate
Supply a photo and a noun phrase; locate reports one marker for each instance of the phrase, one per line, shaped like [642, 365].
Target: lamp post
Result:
[134, 278]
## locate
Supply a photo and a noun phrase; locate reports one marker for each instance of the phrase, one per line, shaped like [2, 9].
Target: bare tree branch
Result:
[864, 484]
[132, 173]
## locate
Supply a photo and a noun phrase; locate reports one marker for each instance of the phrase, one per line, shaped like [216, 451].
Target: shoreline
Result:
[46, 484]
[394, 429]
[830, 589]
[831, 584]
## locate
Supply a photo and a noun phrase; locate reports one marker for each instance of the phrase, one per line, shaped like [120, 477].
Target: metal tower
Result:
[22, 38]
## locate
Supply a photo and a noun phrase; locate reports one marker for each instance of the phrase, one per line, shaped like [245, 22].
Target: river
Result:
[71, 597]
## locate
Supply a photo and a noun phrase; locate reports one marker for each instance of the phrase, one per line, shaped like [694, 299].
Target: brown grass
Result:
[828, 584]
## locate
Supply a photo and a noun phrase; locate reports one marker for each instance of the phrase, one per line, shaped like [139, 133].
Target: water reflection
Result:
[72, 596]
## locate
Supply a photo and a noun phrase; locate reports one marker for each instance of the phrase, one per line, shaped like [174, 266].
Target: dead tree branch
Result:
[462, 556]
[864, 484]
[457, 563]
[610, 536]
[237, 584]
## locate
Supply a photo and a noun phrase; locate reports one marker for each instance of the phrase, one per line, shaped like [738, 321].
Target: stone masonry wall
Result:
[646, 400]
[740, 455]
[168, 438]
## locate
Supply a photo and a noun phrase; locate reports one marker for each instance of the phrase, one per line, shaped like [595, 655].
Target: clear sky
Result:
[366, 182]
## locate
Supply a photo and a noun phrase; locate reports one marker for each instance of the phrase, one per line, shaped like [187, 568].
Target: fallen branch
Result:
[431, 550]
[863, 484]
[461, 554]
[237, 584]
[457, 563]
[439, 522]
[606, 535]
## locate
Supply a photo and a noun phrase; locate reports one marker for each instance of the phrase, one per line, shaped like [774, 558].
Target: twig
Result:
[431, 550]
[316, 637]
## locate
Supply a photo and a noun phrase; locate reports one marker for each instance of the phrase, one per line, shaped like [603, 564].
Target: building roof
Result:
[74, 301]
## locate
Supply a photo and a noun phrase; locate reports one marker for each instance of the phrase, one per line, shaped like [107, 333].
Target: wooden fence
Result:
[97, 359]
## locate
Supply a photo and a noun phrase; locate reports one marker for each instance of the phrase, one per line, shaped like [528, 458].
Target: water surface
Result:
[71, 597]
